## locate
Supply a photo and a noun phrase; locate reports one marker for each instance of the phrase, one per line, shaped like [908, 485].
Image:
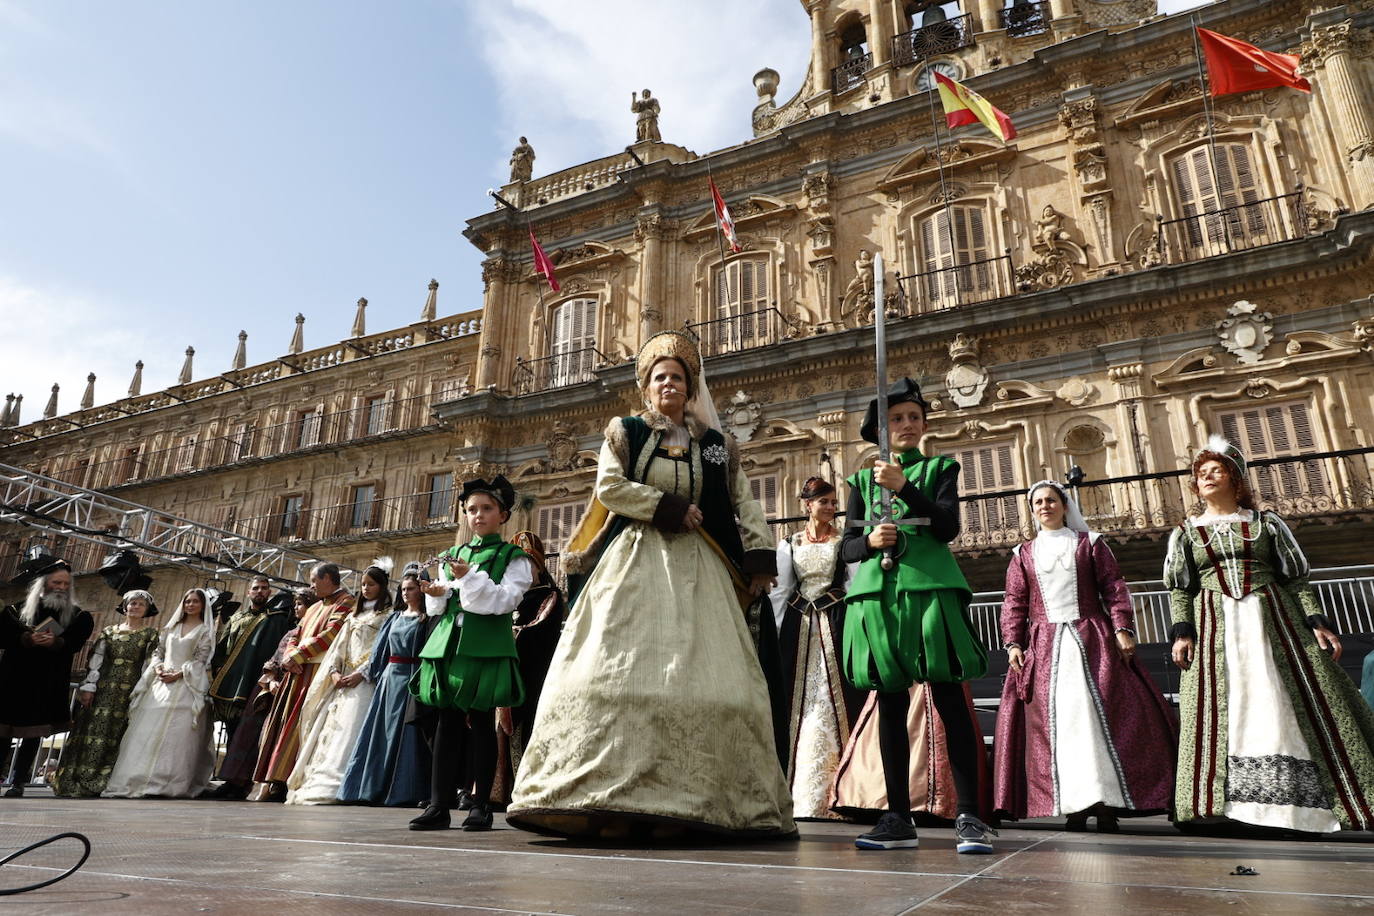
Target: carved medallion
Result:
[967, 379]
[1245, 331]
[742, 416]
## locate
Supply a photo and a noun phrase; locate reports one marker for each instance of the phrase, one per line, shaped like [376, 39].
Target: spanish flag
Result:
[964, 106]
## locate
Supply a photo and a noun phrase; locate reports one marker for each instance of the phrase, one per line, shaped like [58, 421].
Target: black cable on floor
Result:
[5, 891]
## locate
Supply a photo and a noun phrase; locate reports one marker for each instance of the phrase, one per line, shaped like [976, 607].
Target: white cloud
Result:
[565, 71]
[62, 336]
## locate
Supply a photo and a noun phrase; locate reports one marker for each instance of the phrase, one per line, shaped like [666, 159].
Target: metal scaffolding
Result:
[61, 509]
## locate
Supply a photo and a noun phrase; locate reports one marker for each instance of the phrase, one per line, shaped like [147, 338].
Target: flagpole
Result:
[940, 168]
[1211, 132]
[724, 286]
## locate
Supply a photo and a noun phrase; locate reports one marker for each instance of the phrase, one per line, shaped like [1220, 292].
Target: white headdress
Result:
[1073, 518]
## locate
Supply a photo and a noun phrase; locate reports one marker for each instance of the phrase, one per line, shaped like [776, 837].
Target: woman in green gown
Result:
[116, 662]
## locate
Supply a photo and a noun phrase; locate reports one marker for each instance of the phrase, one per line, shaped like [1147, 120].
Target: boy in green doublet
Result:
[468, 666]
[909, 623]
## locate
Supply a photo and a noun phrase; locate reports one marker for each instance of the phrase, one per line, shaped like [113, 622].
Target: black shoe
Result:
[464, 802]
[1077, 822]
[15, 791]
[971, 835]
[892, 832]
[434, 818]
[479, 818]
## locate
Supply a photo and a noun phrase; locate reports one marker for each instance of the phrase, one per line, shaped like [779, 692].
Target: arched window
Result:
[572, 344]
[954, 261]
[739, 320]
[855, 58]
[1087, 448]
[1221, 215]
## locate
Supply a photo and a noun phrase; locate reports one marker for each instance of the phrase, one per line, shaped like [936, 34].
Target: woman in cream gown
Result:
[338, 699]
[655, 713]
[166, 750]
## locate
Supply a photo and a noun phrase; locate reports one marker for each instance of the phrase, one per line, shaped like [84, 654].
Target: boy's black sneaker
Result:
[892, 832]
[971, 835]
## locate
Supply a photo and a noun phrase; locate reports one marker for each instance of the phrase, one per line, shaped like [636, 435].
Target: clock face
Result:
[925, 81]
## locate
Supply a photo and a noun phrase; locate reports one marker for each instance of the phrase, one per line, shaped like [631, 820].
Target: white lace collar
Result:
[1243, 515]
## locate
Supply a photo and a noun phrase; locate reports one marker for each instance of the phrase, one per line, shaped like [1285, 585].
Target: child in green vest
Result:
[910, 623]
[468, 667]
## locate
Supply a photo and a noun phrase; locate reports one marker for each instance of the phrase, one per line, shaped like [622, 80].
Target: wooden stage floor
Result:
[153, 857]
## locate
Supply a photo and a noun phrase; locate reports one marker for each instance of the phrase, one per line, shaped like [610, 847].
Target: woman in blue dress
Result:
[390, 762]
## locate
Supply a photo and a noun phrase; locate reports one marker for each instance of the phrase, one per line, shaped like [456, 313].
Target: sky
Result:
[175, 171]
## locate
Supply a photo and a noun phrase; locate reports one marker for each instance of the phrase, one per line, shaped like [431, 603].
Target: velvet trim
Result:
[669, 514]
[1184, 629]
[760, 563]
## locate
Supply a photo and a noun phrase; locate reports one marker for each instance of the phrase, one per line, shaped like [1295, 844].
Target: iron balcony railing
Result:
[959, 284]
[558, 370]
[1242, 226]
[929, 40]
[361, 515]
[1294, 487]
[745, 331]
[1022, 19]
[307, 429]
[850, 73]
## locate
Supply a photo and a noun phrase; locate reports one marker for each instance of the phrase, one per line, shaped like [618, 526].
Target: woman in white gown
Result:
[167, 749]
[337, 701]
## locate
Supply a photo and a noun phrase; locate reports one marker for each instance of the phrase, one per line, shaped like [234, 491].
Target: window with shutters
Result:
[447, 390]
[573, 342]
[239, 443]
[740, 318]
[363, 506]
[439, 502]
[988, 468]
[186, 453]
[307, 427]
[555, 524]
[765, 489]
[376, 415]
[290, 517]
[1277, 431]
[955, 257]
[1222, 214]
[130, 464]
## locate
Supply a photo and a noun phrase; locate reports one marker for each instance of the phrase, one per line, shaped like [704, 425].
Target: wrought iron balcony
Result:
[413, 511]
[1252, 224]
[1294, 487]
[733, 333]
[961, 284]
[937, 38]
[850, 73]
[1022, 19]
[557, 371]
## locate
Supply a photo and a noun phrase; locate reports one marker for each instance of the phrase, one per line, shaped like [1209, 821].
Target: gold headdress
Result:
[669, 344]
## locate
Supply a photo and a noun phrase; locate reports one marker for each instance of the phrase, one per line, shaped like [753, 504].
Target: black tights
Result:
[23, 760]
[463, 753]
[894, 743]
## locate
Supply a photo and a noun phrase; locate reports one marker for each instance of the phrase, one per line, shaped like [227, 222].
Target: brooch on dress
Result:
[716, 454]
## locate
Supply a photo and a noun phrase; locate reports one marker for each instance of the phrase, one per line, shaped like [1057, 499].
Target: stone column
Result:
[494, 320]
[1060, 9]
[820, 60]
[989, 15]
[1329, 49]
[879, 35]
[649, 230]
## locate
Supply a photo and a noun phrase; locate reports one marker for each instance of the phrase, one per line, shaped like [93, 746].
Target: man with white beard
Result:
[41, 637]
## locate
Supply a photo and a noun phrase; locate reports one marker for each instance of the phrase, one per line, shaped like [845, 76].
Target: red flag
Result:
[727, 222]
[1234, 66]
[964, 106]
[542, 265]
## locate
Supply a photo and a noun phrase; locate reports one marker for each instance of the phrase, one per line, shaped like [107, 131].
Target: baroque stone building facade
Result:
[1098, 295]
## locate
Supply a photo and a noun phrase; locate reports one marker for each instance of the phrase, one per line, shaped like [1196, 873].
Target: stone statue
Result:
[862, 284]
[1049, 228]
[522, 161]
[646, 117]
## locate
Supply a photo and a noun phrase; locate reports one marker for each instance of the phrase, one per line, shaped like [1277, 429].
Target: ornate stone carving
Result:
[1055, 255]
[562, 447]
[646, 110]
[967, 379]
[1245, 332]
[1257, 388]
[742, 416]
[856, 309]
[1077, 391]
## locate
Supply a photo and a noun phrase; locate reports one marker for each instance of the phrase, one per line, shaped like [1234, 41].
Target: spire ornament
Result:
[298, 339]
[360, 319]
[136, 384]
[50, 410]
[241, 354]
[88, 397]
[186, 371]
[431, 302]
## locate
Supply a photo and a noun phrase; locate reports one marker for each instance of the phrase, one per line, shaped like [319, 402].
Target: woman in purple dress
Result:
[1082, 729]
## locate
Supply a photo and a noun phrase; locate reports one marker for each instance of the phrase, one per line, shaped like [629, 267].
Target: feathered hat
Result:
[380, 571]
[1223, 447]
[665, 345]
